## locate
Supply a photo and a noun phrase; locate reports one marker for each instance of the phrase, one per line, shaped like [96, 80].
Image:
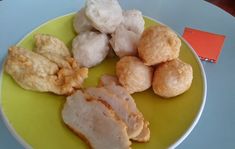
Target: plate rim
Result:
[26, 145]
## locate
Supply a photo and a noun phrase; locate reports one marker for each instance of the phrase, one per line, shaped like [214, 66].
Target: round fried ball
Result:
[172, 78]
[158, 44]
[133, 75]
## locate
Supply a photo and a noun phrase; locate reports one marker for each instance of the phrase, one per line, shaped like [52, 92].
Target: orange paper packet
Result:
[207, 45]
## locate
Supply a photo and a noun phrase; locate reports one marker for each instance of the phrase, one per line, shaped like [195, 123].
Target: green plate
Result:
[35, 118]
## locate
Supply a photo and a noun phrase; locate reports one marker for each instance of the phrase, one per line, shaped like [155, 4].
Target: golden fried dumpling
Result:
[81, 23]
[53, 49]
[133, 75]
[105, 15]
[172, 78]
[158, 44]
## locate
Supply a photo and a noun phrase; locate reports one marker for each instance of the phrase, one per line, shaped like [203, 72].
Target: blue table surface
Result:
[216, 127]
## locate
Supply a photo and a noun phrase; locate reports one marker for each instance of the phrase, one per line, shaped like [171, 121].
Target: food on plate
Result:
[31, 70]
[53, 49]
[172, 78]
[124, 42]
[133, 121]
[104, 116]
[35, 72]
[95, 122]
[144, 135]
[81, 23]
[125, 39]
[121, 93]
[105, 15]
[158, 44]
[90, 48]
[133, 75]
[109, 83]
[71, 79]
[133, 21]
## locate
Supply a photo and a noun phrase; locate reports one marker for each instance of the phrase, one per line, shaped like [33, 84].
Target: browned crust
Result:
[141, 140]
[91, 99]
[81, 136]
[144, 139]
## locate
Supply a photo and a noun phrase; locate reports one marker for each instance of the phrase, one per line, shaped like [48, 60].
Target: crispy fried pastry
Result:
[172, 78]
[158, 44]
[133, 75]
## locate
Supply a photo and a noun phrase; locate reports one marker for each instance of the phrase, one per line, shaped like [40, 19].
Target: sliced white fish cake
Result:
[144, 136]
[111, 84]
[95, 122]
[133, 121]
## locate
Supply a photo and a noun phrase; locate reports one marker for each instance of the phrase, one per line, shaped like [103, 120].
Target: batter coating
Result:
[172, 78]
[133, 75]
[158, 44]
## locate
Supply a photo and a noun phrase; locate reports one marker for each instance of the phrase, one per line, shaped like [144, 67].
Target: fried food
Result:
[53, 49]
[90, 48]
[95, 122]
[81, 23]
[105, 15]
[144, 135]
[133, 21]
[158, 44]
[133, 75]
[35, 72]
[124, 42]
[172, 78]
[31, 70]
[71, 79]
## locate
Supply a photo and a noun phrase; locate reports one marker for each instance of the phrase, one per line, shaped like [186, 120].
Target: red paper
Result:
[207, 45]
